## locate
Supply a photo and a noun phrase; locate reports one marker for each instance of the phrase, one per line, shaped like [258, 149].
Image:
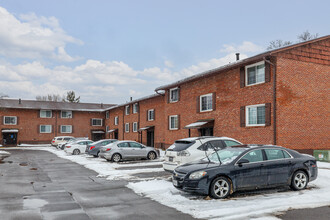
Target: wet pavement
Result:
[39, 185]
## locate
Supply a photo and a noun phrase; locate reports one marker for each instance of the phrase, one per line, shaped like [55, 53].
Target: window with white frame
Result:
[10, 120]
[174, 95]
[127, 109]
[135, 127]
[107, 128]
[107, 114]
[135, 108]
[97, 122]
[66, 128]
[174, 122]
[205, 102]
[151, 114]
[45, 113]
[255, 73]
[116, 120]
[127, 127]
[66, 114]
[45, 129]
[255, 115]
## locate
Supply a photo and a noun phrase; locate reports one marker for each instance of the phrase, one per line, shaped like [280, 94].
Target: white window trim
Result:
[66, 132]
[148, 114]
[126, 127]
[97, 119]
[107, 114]
[127, 112]
[107, 128]
[51, 113]
[247, 115]
[135, 126]
[170, 99]
[169, 121]
[135, 110]
[66, 117]
[4, 120]
[246, 73]
[200, 102]
[116, 120]
[45, 132]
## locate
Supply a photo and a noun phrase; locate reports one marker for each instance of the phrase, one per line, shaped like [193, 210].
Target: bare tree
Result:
[71, 97]
[50, 98]
[3, 95]
[305, 36]
[277, 44]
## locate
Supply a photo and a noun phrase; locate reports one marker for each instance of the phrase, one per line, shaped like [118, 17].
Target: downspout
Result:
[274, 101]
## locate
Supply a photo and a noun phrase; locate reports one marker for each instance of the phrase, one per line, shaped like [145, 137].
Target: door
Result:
[97, 136]
[138, 151]
[9, 138]
[206, 131]
[150, 138]
[115, 134]
[125, 150]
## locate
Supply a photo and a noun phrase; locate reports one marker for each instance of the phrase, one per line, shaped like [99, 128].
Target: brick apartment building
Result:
[27, 121]
[276, 97]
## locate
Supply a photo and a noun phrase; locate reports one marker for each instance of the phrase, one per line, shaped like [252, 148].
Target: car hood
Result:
[196, 165]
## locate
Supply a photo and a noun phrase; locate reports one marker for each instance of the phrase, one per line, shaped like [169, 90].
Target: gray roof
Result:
[47, 105]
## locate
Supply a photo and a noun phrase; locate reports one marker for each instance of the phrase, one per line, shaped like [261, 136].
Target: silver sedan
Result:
[125, 150]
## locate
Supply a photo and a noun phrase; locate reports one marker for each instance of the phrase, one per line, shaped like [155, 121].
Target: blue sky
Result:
[108, 50]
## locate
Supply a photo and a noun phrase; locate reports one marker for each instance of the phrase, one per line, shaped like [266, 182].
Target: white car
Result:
[60, 139]
[189, 149]
[77, 147]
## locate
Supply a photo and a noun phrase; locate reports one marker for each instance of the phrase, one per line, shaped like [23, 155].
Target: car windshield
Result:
[226, 155]
[180, 145]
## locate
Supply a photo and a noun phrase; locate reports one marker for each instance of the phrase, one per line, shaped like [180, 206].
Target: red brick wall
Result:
[130, 119]
[111, 122]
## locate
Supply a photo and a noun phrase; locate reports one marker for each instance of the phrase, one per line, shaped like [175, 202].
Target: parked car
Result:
[94, 148]
[60, 139]
[189, 149]
[77, 147]
[4, 154]
[62, 145]
[246, 167]
[123, 150]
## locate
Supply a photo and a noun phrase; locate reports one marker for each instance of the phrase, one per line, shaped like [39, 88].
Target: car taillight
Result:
[108, 149]
[53, 141]
[183, 153]
[68, 146]
[92, 147]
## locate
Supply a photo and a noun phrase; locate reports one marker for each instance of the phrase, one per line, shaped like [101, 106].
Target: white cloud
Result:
[245, 47]
[33, 37]
[168, 64]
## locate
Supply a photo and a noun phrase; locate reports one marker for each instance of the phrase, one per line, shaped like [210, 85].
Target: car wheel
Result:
[220, 188]
[299, 180]
[116, 158]
[76, 152]
[151, 155]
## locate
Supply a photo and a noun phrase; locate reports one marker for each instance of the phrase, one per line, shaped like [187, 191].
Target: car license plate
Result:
[170, 159]
[175, 182]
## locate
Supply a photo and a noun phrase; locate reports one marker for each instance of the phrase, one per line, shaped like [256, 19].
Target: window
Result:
[255, 73]
[206, 102]
[135, 108]
[255, 115]
[151, 114]
[127, 109]
[107, 114]
[254, 156]
[124, 144]
[96, 122]
[66, 114]
[174, 122]
[45, 113]
[107, 128]
[127, 127]
[45, 129]
[10, 120]
[66, 128]
[174, 95]
[135, 127]
[135, 145]
[231, 143]
[116, 120]
[276, 154]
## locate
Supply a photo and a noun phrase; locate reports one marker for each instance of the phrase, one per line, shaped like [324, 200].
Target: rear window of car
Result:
[59, 139]
[66, 139]
[180, 145]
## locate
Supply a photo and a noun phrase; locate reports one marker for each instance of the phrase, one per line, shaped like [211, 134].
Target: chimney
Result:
[131, 98]
[19, 101]
[237, 56]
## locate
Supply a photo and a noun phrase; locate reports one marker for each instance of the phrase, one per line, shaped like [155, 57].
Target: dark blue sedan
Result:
[246, 167]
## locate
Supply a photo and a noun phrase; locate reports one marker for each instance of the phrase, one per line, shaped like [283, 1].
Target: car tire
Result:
[299, 180]
[116, 158]
[220, 188]
[76, 152]
[152, 155]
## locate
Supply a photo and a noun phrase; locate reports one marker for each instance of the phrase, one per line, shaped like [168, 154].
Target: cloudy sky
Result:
[107, 50]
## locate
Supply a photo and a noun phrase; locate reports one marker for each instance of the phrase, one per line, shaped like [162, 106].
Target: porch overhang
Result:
[98, 132]
[113, 130]
[146, 128]
[204, 123]
[9, 131]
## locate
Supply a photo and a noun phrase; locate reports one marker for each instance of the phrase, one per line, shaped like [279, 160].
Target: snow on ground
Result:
[254, 206]
[34, 145]
[102, 167]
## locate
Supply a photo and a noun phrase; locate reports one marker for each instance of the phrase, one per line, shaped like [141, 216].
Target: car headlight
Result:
[197, 175]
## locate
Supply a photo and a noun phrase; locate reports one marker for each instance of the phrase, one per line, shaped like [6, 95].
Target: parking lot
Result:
[37, 184]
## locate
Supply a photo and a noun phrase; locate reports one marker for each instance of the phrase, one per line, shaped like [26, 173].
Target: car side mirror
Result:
[242, 161]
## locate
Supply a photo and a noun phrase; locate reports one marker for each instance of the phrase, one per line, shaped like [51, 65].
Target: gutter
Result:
[274, 102]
